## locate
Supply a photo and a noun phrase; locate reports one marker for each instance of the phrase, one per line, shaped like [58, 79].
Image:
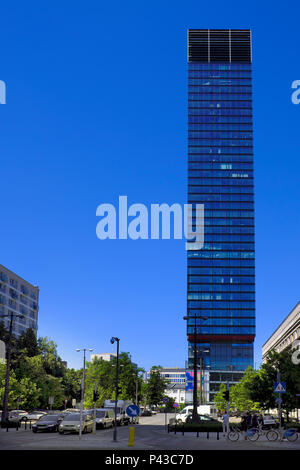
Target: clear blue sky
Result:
[96, 107]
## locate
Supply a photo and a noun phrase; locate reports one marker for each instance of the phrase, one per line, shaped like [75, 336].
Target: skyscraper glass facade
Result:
[221, 277]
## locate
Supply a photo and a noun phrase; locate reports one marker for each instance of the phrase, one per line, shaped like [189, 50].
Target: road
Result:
[150, 434]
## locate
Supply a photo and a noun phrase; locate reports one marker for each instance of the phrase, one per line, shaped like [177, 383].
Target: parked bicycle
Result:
[252, 434]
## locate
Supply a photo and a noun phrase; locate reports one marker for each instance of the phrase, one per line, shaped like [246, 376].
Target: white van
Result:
[188, 411]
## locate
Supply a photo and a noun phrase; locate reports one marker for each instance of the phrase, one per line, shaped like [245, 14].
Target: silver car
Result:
[71, 423]
[104, 418]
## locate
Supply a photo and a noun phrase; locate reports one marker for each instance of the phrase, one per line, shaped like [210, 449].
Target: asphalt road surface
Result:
[150, 434]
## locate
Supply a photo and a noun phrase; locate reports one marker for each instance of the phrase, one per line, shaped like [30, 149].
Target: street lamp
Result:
[6, 390]
[117, 340]
[82, 388]
[195, 401]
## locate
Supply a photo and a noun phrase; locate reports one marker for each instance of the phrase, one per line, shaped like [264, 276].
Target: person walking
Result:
[254, 421]
[260, 421]
[244, 425]
[225, 423]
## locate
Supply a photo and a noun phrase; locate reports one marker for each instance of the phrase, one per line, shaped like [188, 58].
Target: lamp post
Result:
[117, 340]
[82, 387]
[8, 355]
[195, 401]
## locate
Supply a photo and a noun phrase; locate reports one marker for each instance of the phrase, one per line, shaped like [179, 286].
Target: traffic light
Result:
[96, 397]
[226, 395]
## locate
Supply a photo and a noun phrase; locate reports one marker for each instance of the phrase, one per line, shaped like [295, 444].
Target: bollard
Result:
[26, 425]
[175, 428]
[168, 428]
[131, 437]
[207, 436]
[197, 433]
[218, 435]
[7, 426]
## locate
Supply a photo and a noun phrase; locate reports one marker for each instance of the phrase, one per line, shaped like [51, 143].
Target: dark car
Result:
[48, 423]
[146, 413]
[205, 419]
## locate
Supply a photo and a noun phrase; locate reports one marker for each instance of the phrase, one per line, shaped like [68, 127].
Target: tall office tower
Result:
[221, 278]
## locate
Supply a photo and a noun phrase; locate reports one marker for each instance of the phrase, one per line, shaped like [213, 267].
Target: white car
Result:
[16, 415]
[33, 415]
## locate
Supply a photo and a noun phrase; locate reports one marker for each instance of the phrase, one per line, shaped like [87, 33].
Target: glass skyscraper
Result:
[221, 277]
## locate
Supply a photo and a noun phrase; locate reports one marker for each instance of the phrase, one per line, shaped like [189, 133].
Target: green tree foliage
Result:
[103, 373]
[155, 387]
[255, 391]
[25, 389]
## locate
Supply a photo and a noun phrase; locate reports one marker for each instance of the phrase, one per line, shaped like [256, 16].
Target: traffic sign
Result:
[278, 401]
[165, 399]
[279, 387]
[51, 400]
[132, 411]
[175, 405]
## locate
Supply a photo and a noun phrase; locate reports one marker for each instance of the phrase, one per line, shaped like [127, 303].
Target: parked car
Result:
[71, 423]
[16, 415]
[104, 418]
[146, 413]
[48, 423]
[203, 418]
[33, 415]
[269, 422]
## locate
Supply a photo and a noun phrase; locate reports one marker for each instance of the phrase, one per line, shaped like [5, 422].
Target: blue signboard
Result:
[132, 411]
[279, 387]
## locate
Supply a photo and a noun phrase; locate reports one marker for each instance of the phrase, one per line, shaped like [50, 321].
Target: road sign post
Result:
[175, 406]
[132, 411]
[165, 400]
[279, 387]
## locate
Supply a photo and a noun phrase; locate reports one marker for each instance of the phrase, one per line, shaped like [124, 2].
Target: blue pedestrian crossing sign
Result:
[279, 387]
[132, 411]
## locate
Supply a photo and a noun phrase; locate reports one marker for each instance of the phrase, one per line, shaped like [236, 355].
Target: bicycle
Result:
[290, 434]
[252, 434]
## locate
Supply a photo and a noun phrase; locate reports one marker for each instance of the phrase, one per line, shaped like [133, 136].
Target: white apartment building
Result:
[18, 296]
[104, 356]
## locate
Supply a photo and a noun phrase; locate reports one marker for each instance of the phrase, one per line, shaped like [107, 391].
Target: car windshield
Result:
[100, 414]
[73, 417]
[50, 418]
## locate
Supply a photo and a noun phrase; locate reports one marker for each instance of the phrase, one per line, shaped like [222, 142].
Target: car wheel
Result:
[61, 432]
[34, 430]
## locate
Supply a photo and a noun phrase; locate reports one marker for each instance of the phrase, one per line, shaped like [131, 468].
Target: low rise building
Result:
[104, 356]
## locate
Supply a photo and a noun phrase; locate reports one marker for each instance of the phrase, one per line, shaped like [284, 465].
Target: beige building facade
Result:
[286, 333]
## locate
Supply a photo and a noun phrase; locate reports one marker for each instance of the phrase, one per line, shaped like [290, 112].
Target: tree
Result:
[155, 387]
[289, 373]
[103, 373]
[240, 397]
[25, 389]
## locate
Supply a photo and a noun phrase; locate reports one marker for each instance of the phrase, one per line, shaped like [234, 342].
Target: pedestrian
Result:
[244, 425]
[248, 420]
[260, 421]
[225, 423]
[254, 421]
